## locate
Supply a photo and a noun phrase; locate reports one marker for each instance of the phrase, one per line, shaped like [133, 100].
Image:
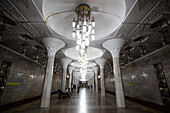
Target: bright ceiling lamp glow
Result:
[83, 26]
[83, 29]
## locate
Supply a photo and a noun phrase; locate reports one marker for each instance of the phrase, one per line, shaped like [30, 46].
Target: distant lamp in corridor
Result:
[32, 76]
[112, 79]
[98, 76]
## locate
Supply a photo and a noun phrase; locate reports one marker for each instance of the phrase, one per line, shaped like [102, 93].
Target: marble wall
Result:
[109, 83]
[139, 78]
[57, 82]
[25, 79]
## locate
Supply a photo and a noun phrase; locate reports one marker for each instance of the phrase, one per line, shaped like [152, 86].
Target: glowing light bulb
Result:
[87, 41]
[74, 34]
[92, 31]
[81, 51]
[90, 26]
[84, 28]
[78, 27]
[85, 22]
[87, 34]
[93, 37]
[77, 47]
[74, 24]
[93, 23]
[83, 44]
[78, 32]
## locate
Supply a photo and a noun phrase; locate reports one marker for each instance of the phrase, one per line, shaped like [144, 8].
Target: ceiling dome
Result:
[108, 15]
[92, 53]
[77, 64]
[88, 76]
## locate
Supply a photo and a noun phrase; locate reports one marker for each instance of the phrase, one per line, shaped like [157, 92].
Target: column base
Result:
[45, 103]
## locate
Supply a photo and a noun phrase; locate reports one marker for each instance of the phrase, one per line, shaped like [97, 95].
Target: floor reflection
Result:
[83, 108]
[86, 101]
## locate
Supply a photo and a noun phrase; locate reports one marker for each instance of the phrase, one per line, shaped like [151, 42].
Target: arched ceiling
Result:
[77, 64]
[88, 76]
[92, 53]
[136, 16]
[108, 14]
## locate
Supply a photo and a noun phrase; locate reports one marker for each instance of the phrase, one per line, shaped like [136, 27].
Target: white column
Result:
[74, 74]
[93, 80]
[114, 46]
[65, 62]
[76, 81]
[70, 78]
[52, 45]
[101, 63]
[73, 79]
[96, 78]
[89, 82]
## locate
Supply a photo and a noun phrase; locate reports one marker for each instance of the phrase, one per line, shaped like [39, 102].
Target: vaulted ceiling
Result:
[144, 24]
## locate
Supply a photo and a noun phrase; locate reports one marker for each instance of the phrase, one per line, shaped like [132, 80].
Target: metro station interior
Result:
[85, 56]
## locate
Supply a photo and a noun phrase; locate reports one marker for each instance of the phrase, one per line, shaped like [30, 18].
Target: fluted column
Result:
[101, 63]
[65, 62]
[52, 45]
[96, 78]
[114, 46]
[70, 78]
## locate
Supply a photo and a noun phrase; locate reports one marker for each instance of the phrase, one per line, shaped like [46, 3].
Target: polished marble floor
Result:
[86, 101]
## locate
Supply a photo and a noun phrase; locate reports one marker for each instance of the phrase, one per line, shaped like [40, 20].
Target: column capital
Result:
[52, 45]
[101, 62]
[115, 53]
[65, 62]
[114, 46]
[95, 69]
[71, 68]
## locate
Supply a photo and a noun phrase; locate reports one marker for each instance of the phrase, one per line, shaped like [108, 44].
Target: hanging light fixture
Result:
[83, 30]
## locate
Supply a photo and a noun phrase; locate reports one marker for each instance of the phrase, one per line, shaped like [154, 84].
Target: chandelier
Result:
[83, 31]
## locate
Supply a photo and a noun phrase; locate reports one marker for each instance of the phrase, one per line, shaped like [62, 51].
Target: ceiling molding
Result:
[14, 12]
[156, 12]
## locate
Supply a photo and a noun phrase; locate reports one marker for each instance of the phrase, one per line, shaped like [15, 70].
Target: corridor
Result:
[87, 101]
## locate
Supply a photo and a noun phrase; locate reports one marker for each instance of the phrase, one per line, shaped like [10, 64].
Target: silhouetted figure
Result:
[78, 88]
[91, 86]
[65, 94]
[74, 88]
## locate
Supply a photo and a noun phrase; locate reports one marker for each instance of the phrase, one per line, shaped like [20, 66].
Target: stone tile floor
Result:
[87, 101]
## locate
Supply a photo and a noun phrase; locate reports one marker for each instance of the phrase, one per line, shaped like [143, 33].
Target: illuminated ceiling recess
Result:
[108, 15]
[92, 53]
[77, 64]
